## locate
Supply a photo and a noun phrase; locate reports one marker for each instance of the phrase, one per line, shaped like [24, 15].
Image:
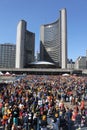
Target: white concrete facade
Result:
[21, 28]
[63, 25]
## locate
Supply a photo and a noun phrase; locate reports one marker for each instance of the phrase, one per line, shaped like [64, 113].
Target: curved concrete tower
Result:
[63, 22]
[53, 41]
[21, 29]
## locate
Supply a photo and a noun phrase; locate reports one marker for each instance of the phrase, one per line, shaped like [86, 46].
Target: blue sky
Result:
[38, 12]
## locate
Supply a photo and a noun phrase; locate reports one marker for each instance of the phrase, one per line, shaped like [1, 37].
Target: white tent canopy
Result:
[7, 73]
[1, 73]
[65, 74]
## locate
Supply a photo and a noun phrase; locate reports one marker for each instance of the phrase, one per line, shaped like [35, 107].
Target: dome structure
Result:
[42, 64]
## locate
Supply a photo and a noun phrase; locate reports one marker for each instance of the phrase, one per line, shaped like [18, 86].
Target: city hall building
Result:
[53, 41]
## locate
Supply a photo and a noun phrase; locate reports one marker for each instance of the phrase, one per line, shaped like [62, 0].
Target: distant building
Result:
[38, 56]
[53, 41]
[25, 46]
[7, 55]
[81, 63]
[70, 64]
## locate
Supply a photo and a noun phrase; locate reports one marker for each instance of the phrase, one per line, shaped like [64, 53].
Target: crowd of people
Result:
[44, 102]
